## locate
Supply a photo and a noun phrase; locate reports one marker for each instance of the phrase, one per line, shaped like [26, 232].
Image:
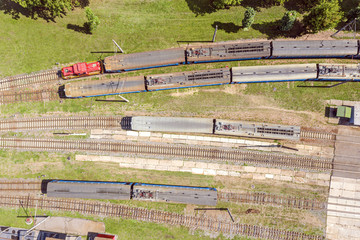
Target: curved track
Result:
[157, 216]
[24, 80]
[180, 151]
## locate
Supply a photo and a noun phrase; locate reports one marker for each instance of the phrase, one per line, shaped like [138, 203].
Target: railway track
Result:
[166, 150]
[29, 96]
[156, 216]
[272, 199]
[24, 80]
[34, 185]
[20, 185]
[306, 134]
[95, 122]
[60, 123]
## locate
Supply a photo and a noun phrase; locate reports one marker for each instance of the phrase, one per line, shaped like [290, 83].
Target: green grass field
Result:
[28, 45]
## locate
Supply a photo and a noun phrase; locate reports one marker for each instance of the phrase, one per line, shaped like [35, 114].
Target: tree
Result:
[287, 21]
[268, 3]
[353, 13]
[223, 3]
[324, 16]
[249, 17]
[47, 8]
[93, 21]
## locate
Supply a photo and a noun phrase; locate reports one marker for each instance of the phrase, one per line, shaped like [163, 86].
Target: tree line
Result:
[319, 14]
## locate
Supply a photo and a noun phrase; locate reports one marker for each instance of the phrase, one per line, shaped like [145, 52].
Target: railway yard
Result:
[281, 175]
[224, 140]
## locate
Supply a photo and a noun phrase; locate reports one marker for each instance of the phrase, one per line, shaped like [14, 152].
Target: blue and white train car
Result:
[172, 193]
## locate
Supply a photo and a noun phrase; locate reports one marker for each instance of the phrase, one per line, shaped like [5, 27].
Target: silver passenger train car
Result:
[260, 130]
[213, 126]
[104, 87]
[142, 60]
[274, 73]
[315, 48]
[172, 124]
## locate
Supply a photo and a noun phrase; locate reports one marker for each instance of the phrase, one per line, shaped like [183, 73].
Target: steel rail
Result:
[24, 80]
[59, 123]
[167, 150]
[28, 96]
[306, 134]
[156, 216]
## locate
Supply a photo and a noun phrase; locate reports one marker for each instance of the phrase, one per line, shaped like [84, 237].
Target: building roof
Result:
[343, 111]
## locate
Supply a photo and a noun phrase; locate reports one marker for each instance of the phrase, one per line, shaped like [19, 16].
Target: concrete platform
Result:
[347, 154]
[67, 225]
[343, 213]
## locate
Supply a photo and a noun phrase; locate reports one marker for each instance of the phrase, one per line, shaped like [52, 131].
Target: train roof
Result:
[90, 182]
[141, 60]
[175, 186]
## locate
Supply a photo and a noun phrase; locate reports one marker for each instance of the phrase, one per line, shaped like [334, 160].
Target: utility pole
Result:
[117, 45]
[216, 27]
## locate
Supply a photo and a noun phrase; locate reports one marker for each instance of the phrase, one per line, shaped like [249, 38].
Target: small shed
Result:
[343, 111]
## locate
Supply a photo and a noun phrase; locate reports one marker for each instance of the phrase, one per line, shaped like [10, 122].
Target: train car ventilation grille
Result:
[246, 49]
[275, 131]
[61, 190]
[104, 190]
[205, 76]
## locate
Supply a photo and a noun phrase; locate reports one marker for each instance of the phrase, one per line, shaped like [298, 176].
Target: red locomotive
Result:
[81, 69]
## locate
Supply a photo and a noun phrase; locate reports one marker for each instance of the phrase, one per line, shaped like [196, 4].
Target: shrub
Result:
[287, 21]
[249, 17]
[324, 16]
[93, 21]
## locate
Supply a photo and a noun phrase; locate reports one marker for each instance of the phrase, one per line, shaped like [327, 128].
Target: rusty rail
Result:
[272, 199]
[24, 80]
[156, 216]
[166, 150]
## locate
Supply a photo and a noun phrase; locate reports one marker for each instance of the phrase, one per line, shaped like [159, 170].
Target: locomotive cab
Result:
[81, 69]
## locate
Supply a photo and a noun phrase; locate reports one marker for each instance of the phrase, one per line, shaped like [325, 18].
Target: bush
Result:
[287, 21]
[249, 17]
[93, 21]
[223, 3]
[324, 16]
